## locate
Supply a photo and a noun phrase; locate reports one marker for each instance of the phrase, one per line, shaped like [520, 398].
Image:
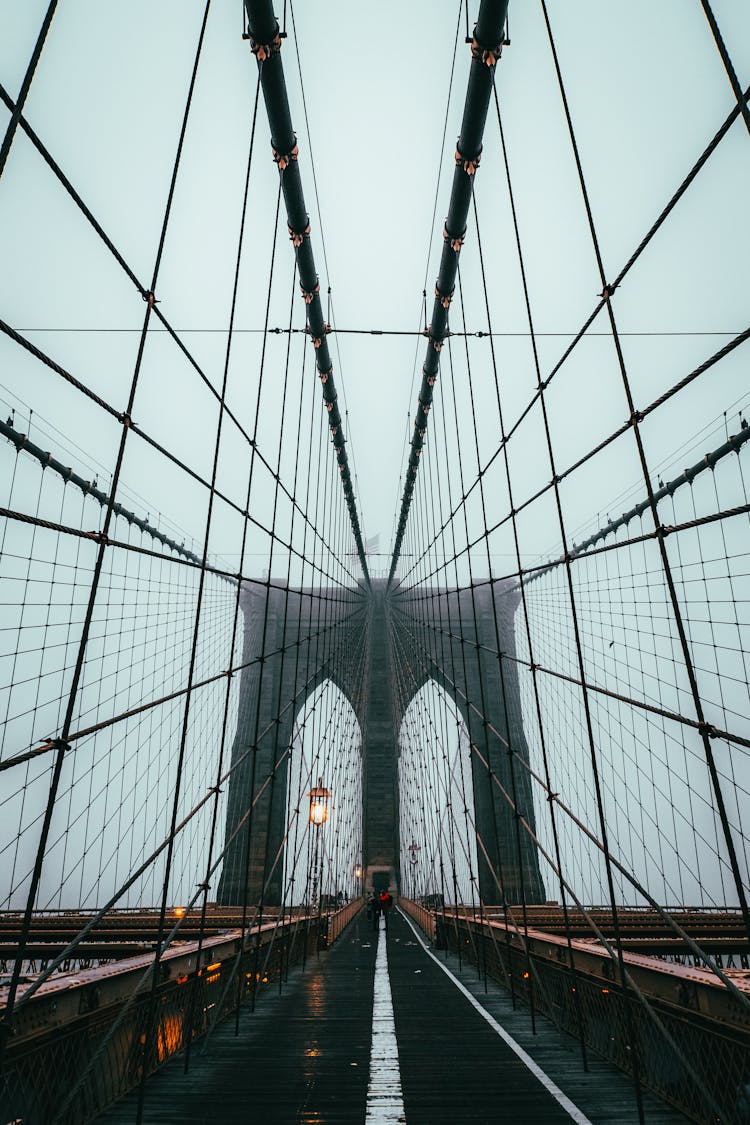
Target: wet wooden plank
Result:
[604, 1095]
[302, 1057]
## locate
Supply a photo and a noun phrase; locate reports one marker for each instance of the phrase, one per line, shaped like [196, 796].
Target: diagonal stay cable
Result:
[17, 110]
[61, 741]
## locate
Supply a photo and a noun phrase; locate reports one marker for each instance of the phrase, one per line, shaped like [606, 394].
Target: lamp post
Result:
[319, 798]
[414, 850]
[358, 873]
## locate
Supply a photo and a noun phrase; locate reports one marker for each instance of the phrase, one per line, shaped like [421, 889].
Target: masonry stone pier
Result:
[379, 648]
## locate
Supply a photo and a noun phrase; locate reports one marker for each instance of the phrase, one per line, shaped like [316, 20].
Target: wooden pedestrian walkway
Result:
[303, 1057]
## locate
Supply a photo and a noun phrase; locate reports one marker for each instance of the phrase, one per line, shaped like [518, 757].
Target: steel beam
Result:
[265, 42]
[485, 51]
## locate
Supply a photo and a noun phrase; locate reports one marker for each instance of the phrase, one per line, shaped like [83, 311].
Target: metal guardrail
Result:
[80, 1045]
[425, 919]
[340, 919]
[707, 1077]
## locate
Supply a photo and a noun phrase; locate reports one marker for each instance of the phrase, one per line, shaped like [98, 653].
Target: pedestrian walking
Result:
[385, 902]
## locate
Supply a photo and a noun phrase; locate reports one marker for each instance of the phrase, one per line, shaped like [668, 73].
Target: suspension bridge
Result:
[230, 723]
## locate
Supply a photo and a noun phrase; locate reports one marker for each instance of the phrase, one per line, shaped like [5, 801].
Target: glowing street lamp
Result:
[319, 798]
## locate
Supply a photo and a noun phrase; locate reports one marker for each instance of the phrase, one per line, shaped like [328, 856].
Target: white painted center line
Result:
[385, 1103]
[541, 1076]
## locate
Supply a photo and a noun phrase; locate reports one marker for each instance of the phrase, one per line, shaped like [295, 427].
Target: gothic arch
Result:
[309, 636]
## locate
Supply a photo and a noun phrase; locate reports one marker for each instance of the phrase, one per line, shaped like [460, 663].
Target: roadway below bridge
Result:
[373, 1035]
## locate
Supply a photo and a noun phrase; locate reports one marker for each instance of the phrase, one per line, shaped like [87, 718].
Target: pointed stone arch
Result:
[308, 636]
[460, 630]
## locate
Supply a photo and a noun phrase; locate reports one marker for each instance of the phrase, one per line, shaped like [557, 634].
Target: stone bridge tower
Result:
[351, 638]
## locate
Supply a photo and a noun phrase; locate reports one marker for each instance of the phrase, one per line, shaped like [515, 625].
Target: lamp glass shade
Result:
[319, 797]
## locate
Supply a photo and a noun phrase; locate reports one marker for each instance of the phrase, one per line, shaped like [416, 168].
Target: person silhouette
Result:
[385, 902]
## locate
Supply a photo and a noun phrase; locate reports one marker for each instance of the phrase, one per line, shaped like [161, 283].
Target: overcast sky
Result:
[647, 91]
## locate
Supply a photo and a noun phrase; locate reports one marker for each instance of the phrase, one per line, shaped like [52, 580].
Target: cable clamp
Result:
[318, 340]
[487, 55]
[310, 294]
[445, 298]
[298, 237]
[607, 291]
[284, 159]
[263, 51]
[635, 417]
[150, 298]
[455, 243]
[552, 797]
[324, 375]
[469, 165]
[431, 379]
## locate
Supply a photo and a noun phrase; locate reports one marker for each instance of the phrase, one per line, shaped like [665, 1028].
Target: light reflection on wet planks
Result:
[303, 1057]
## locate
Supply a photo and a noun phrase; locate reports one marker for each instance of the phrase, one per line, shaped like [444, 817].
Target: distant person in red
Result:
[385, 901]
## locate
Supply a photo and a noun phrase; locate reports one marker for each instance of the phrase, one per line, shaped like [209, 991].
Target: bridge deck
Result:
[304, 1056]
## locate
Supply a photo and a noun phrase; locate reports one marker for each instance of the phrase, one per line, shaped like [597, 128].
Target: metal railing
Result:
[68, 1073]
[698, 1062]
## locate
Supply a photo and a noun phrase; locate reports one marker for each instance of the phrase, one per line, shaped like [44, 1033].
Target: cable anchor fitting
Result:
[486, 55]
[455, 242]
[469, 164]
[263, 51]
[310, 294]
[445, 298]
[318, 340]
[284, 159]
[298, 237]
